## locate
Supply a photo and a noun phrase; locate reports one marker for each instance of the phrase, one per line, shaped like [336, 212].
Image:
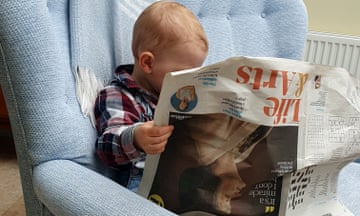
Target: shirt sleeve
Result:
[116, 118]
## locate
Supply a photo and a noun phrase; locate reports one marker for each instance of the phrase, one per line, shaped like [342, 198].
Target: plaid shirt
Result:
[119, 108]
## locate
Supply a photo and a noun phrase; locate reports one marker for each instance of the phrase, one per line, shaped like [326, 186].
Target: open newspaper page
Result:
[255, 136]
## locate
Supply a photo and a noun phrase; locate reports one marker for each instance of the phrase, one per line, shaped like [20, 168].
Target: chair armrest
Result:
[349, 187]
[67, 188]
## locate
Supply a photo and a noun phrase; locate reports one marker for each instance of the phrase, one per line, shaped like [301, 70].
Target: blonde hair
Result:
[165, 23]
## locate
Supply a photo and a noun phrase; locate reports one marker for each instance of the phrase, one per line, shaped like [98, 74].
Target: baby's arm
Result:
[116, 120]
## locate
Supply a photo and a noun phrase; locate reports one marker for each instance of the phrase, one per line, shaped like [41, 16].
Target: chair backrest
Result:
[42, 42]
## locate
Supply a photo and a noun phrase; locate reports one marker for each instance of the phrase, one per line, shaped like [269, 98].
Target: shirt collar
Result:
[123, 75]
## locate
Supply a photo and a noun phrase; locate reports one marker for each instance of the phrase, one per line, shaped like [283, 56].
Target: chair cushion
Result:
[101, 34]
[261, 28]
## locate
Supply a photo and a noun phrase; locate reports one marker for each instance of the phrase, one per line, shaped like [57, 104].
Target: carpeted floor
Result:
[11, 198]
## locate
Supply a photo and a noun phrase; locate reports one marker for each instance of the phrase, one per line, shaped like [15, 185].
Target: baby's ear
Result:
[146, 60]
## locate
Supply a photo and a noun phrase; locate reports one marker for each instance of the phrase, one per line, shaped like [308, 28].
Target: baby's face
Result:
[178, 57]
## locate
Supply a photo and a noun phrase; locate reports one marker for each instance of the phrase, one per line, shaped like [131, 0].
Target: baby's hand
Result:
[150, 138]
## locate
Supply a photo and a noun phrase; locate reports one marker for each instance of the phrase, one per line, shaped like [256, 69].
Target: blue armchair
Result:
[44, 42]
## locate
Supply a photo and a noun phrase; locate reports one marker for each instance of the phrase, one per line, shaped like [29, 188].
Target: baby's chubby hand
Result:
[150, 138]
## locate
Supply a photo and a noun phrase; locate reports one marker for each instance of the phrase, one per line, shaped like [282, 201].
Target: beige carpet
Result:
[11, 199]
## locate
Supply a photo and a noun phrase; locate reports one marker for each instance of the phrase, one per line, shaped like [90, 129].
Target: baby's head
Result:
[167, 37]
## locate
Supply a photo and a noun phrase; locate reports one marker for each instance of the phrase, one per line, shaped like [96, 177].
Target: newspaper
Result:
[255, 136]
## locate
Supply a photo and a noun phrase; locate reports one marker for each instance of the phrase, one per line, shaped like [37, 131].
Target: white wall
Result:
[335, 16]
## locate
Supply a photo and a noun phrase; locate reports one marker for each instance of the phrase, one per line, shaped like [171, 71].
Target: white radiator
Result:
[335, 50]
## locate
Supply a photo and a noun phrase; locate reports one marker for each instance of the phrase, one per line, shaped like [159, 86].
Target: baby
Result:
[166, 37]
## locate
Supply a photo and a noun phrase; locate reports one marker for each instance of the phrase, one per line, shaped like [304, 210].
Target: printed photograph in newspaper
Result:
[223, 165]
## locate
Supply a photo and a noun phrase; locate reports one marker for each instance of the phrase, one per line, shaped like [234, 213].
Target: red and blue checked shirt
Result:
[119, 108]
